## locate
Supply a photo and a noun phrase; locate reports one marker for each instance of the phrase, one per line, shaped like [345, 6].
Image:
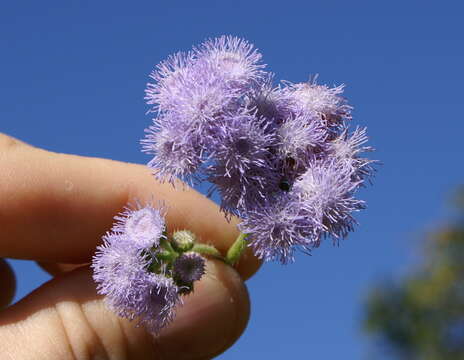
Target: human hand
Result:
[54, 209]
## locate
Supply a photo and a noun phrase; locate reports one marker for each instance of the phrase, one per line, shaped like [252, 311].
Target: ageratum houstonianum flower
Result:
[281, 156]
[348, 148]
[243, 165]
[300, 137]
[320, 203]
[279, 227]
[326, 191]
[190, 93]
[135, 270]
[235, 59]
[321, 99]
[130, 290]
[143, 226]
[177, 147]
[189, 267]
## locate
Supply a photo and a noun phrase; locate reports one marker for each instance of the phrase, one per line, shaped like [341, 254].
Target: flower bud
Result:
[183, 240]
[188, 267]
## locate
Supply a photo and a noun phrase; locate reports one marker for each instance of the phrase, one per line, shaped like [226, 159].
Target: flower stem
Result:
[237, 249]
[205, 249]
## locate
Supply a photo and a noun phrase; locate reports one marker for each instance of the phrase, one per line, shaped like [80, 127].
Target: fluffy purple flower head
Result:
[130, 290]
[243, 192]
[189, 267]
[178, 151]
[325, 101]
[235, 58]
[243, 142]
[203, 95]
[243, 164]
[326, 191]
[274, 103]
[118, 265]
[168, 76]
[300, 139]
[158, 301]
[281, 157]
[143, 226]
[277, 229]
[205, 81]
[348, 147]
[191, 93]
[319, 204]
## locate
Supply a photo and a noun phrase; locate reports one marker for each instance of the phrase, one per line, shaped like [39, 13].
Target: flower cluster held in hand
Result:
[281, 156]
[141, 271]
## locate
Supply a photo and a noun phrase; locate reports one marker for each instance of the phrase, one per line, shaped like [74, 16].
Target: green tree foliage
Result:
[422, 317]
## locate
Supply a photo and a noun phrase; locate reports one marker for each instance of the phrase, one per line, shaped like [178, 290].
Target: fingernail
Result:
[211, 319]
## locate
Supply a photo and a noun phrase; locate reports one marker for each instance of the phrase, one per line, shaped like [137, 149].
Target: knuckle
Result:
[93, 332]
[83, 342]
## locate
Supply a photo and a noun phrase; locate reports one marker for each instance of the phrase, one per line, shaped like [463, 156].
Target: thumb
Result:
[66, 319]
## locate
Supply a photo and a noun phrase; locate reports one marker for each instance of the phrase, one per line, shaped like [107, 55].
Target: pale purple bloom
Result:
[191, 93]
[189, 267]
[236, 59]
[243, 161]
[204, 82]
[117, 265]
[281, 157]
[274, 103]
[130, 290]
[280, 227]
[326, 191]
[203, 95]
[300, 139]
[169, 78]
[178, 151]
[240, 193]
[320, 203]
[243, 142]
[143, 225]
[325, 101]
[158, 301]
[348, 147]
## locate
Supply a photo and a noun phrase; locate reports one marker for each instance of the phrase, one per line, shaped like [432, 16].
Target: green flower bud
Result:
[183, 240]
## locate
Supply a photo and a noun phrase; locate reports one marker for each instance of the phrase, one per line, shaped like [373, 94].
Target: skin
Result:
[54, 210]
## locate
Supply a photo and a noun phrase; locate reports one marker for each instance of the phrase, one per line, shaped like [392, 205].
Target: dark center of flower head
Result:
[243, 146]
[284, 185]
[277, 231]
[168, 146]
[266, 107]
[290, 162]
[203, 105]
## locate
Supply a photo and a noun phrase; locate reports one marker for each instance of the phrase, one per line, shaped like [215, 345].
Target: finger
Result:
[48, 197]
[65, 319]
[8, 283]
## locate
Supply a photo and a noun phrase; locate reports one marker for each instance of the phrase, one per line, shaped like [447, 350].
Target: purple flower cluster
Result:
[136, 282]
[281, 156]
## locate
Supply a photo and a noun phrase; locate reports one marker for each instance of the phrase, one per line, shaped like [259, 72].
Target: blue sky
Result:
[72, 79]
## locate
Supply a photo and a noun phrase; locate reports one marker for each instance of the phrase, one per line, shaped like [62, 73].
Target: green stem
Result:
[204, 249]
[164, 243]
[237, 249]
[167, 253]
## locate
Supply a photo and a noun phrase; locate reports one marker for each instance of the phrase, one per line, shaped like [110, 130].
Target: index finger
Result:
[55, 207]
